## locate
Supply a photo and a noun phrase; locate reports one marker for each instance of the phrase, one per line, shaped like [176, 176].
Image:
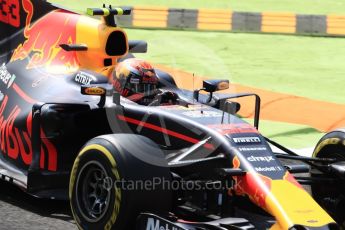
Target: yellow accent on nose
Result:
[291, 205]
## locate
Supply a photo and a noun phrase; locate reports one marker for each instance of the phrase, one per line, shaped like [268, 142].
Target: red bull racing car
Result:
[174, 159]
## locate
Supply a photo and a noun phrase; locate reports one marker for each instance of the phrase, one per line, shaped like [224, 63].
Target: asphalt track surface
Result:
[19, 211]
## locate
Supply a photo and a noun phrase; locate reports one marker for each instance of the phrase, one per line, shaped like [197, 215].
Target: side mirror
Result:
[215, 85]
[231, 107]
[211, 86]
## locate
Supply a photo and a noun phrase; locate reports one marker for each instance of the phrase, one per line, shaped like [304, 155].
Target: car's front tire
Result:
[331, 197]
[100, 195]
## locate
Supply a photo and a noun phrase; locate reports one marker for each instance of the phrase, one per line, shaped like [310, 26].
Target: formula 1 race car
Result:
[183, 161]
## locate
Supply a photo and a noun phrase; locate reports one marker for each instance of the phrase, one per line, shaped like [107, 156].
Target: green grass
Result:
[312, 67]
[292, 136]
[295, 6]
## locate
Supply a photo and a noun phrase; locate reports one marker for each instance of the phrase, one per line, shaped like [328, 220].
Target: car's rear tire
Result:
[98, 203]
[331, 197]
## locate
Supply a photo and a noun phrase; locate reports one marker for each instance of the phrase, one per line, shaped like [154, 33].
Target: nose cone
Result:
[292, 206]
[286, 200]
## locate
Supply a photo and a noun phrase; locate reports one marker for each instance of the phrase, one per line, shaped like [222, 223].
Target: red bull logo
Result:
[43, 39]
[254, 185]
[16, 143]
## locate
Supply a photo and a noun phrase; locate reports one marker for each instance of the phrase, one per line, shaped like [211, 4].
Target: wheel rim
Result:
[93, 187]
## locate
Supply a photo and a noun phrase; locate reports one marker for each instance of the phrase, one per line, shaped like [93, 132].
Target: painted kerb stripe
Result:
[227, 20]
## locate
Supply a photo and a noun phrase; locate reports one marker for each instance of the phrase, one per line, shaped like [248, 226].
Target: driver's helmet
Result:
[136, 80]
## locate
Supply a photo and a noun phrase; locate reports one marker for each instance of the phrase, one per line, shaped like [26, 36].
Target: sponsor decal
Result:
[312, 221]
[234, 128]
[255, 186]
[236, 162]
[135, 80]
[268, 169]
[10, 12]
[42, 40]
[84, 78]
[16, 142]
[150, 78]
[202, 113]
[252, 149]
[156, 224]
[260, 158]
[246, 140]
[95, 91]
[6, 77]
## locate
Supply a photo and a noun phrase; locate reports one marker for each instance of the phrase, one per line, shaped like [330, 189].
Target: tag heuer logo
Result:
[244, 140]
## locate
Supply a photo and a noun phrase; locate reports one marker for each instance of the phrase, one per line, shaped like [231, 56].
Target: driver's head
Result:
[136, 79]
